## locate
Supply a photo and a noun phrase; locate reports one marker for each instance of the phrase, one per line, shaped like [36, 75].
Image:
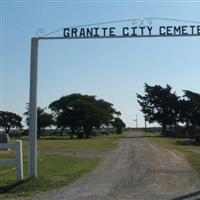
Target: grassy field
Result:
[55, 169]
[187, 147]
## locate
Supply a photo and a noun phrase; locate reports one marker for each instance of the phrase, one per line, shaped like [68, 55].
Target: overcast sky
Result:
[112, 69]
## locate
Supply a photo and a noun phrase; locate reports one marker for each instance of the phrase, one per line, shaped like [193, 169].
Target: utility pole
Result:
[33, 109]
[136, 122]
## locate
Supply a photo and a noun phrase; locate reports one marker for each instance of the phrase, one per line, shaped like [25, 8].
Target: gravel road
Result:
[137, 170]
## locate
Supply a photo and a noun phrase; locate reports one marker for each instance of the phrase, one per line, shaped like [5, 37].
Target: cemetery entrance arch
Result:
[130, 28]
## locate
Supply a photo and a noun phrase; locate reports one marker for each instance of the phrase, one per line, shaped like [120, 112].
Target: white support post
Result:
[33, 109]
[19, 160]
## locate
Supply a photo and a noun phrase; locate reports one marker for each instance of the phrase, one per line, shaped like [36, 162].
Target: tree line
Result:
[77, 114]
[162, 105]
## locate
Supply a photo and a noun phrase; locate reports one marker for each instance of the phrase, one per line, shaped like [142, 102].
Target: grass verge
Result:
[96, 144]
[187, 147]
[54, 170]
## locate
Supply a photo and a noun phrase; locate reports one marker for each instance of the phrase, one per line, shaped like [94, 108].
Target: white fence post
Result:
[19, 160]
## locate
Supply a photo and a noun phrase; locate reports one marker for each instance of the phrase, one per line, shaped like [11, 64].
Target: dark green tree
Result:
[118, 124]
[190, 110]
[81, 113]
[159, 105]
[44, 119]
[9, 120]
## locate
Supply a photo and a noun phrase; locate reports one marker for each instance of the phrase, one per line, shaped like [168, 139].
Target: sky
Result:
[112, 69]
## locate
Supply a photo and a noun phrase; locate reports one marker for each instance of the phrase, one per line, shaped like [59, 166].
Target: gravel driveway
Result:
[137, 170]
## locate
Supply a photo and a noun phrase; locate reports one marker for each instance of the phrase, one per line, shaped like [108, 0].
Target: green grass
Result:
[187, 147]
[54, 170]
[97, 144]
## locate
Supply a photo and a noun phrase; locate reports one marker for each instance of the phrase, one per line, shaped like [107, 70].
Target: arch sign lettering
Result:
[132, 31]
[130, 28]
[137, 28]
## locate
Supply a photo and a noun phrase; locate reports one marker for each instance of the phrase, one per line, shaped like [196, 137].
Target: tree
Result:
[190, 110]
[9, 120]
[185, 112]
[118, 124]
[81, 113]
[44, 119]
[159, 105]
